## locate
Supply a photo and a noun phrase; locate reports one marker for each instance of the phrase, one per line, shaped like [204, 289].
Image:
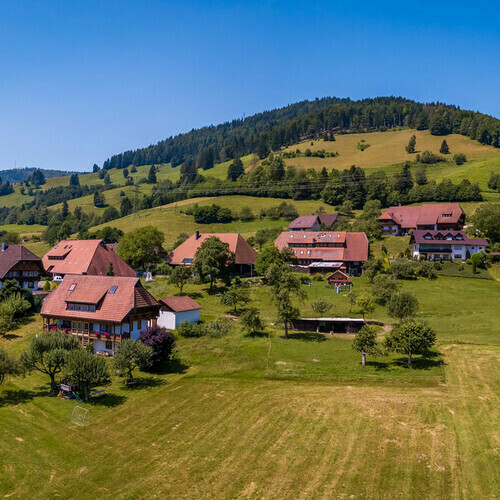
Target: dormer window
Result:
[446, 215]
[76, 306]
[427, 237]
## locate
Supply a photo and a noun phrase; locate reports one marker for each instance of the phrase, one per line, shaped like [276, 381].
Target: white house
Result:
[446, 245]
[175, 310]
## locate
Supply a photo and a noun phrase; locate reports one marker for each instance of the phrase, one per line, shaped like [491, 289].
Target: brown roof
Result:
[180, 304]
[85, 257]
[308, 221]
[112, 304]
[12, 254]
[429, 214]
[422, 236]
[185, 252]
[338, 275]
[355, 246]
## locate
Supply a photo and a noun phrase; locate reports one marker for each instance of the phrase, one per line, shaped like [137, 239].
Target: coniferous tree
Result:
[74, 180]
[444, 149]
[152, 175]
[411, 144]
[235, 169]
[125, 207]
[95, 168]
[64, 209]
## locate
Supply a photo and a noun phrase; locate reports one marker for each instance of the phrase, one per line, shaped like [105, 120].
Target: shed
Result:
[328, 325]
[175, 310]
[339, 279]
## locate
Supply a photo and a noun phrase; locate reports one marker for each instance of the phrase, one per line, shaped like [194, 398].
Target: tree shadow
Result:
[425, 362]
[10, 336]
[108, 400]
[257, 335]
[308, 337]
[174, 366]
[193, 295]
[374, 322]
[11, 397]
[144, 383]
[378, 365]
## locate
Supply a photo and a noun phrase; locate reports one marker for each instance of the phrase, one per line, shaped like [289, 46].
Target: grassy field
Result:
[386, 148]
[265, 417]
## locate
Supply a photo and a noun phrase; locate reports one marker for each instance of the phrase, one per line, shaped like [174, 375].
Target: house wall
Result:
[171, 320]
[458, 252]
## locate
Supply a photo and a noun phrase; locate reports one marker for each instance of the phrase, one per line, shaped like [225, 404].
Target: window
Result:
[113, 289]
[109, 344]
[106, 328]
[457, 256]
[72, 287]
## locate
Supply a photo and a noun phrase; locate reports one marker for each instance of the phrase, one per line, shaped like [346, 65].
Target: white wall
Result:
[171, 320]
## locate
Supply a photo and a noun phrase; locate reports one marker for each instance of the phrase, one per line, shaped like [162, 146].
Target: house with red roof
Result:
[312, 222]
[101, 309]
[446, 245]
[398, 221]
[245, 255]
[325, 251]
[92, 257]
[175, 310]
[18, 263]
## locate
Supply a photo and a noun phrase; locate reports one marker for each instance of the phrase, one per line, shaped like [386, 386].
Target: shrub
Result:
[403, 269]
[217, 328]
[162, 342]
[318, 277]
[426, 270]
[429, 157]
[252, 321]
[459, 158]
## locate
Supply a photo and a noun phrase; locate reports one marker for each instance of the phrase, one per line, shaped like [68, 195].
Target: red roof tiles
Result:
[112, 304]
[180, 304]
[409, 217]
[185, 252]
[84, 257]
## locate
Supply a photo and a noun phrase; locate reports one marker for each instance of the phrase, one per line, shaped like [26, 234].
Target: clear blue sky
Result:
[81, 80]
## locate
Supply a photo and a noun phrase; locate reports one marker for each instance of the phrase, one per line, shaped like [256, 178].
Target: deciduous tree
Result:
[129, 355]
[180, 276]
[365, 342]
[141, 247]
[212, 260]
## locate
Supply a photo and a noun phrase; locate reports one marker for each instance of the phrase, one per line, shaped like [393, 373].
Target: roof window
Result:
[72, 287]
[113, 289]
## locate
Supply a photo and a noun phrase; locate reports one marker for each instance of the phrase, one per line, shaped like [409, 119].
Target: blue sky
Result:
[80, 81]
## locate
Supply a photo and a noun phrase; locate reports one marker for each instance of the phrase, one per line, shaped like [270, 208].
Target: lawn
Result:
[266, 417]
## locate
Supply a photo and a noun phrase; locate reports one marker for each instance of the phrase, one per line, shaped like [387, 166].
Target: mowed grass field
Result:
[386, 148]
[225, 424]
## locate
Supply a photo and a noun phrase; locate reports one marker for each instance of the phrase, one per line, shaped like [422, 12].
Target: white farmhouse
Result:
[446, 245]
[175, 310]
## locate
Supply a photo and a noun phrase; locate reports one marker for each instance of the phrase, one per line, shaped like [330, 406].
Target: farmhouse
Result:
[245, 255]
[446, 245]
[18, 263]
[325, 251]
[312, 222]
[84, 257]
[175, 310]
[398, 221]
[101, 309]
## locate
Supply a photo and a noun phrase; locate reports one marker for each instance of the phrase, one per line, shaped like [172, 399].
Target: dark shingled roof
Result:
[13, 254]
[179, 304]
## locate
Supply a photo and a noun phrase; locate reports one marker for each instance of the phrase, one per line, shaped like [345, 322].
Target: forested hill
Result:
[271, 130]
[15, 175]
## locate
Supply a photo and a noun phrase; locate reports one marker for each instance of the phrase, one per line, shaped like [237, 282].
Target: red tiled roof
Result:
[85, 257]
[180, 304]
[355, 245]
[113, 307]
[13, 254]
[412, 216]
[185, 252]
[338, 275]
[438, 237]
[327, 219]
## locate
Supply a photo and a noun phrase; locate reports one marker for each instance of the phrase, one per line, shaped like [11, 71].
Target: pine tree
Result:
[444, 149]
[411, 144]
[64, 209]
[152, 175]
[74, 180]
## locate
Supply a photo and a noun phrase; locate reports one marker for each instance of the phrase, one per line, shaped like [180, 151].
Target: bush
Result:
[428, 157]
[318, 277]
[426, 270]
[403, 269]
[189, 330]
[162, 342]
[459, 158]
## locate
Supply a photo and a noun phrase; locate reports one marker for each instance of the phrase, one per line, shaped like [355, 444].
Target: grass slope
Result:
[226, 424]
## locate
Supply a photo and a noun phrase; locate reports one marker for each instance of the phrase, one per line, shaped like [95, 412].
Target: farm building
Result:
[328, 325]
[91, 257]
[446, 245]
[325, 251]
[245, 255]
[18, 263]
[101, 309]
[175, 310]
[312, 222]
[339, 280]
[398, 221]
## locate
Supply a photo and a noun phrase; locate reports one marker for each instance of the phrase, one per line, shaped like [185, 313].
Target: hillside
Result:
[21, 174]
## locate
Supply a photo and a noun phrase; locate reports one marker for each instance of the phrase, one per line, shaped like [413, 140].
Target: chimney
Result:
[4, 247]
[197, 235]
